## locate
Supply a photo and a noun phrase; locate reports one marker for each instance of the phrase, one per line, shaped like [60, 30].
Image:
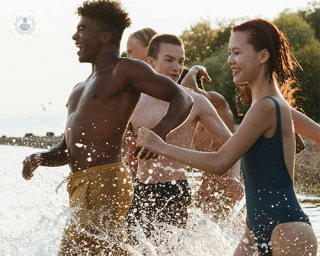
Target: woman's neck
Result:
[262, 88]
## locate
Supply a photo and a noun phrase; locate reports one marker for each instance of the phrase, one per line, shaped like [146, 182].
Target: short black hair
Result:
[110, 13]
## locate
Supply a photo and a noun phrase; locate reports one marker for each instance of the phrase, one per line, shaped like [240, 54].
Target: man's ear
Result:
[150, 61]
[106, 37]
[265, 55]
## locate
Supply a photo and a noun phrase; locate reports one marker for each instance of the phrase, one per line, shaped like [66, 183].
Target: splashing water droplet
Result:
[245, 240]
[150, 171]
[79, 145]
[89, 159]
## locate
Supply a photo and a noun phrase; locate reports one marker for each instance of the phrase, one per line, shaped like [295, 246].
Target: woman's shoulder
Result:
[263, 106]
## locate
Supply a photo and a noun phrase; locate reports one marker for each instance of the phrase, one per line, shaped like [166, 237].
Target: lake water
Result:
[33, 215]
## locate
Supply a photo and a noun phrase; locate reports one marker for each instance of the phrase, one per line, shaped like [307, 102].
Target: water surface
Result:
[33, 215]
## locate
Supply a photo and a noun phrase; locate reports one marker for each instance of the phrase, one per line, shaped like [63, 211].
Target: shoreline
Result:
[307, 172]
[31, 140]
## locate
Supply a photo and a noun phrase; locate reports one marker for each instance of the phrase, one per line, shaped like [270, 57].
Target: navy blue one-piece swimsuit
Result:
[270, 195]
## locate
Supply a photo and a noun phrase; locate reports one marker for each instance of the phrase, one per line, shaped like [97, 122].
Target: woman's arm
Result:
[306, 127]
[260, 118]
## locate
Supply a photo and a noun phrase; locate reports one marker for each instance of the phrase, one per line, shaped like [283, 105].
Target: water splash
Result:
[33, 217]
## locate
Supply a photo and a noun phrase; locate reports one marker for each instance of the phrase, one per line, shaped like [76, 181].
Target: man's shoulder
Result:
[217, 100]
[198, 98]
[130, 63]
[215, 96]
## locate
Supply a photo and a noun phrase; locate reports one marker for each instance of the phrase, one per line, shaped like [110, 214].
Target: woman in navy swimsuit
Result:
[259, 55]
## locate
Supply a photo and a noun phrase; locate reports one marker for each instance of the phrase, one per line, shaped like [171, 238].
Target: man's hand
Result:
[235, 191]
[30, 164]
[201, 72]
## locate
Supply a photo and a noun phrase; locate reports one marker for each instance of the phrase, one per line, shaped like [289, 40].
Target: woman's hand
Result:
[149, 140]
[236, 190]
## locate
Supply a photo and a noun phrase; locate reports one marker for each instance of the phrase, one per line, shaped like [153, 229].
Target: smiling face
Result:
[135, 50]
[88, 39]
[243, 90]
[170, 61]
[243, 59]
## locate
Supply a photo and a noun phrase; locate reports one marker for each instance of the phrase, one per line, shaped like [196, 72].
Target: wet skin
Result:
[100, 107]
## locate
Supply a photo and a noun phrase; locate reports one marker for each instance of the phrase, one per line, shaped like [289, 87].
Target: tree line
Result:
[207, 46]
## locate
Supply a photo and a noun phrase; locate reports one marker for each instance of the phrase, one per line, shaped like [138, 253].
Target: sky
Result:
[38, 74]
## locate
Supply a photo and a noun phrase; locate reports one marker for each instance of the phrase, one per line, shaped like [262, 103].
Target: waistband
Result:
[162, 184]
[96, 169]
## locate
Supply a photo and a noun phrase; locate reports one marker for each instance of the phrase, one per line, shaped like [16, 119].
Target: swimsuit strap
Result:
[278, 131]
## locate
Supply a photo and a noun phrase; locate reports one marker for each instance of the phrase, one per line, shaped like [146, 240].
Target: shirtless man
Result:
[99, 108]
[162, 193]
[215, 193]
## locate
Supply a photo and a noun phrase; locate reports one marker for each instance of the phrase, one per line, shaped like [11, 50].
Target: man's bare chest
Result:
[91, 93]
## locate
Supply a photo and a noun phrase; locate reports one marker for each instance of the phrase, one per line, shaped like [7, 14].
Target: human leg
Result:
[293, 238]
[246, 246]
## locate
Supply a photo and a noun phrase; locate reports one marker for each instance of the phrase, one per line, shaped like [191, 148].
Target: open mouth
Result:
[173, 77]
[235, 71]
[80, 46]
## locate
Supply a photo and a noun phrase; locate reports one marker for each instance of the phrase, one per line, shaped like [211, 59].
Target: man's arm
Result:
[55, 156]
[216, 99]
[144, 79]
[211, 121]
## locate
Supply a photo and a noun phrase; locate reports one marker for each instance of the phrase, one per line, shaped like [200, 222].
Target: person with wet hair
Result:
[99, 109]
[259, 55]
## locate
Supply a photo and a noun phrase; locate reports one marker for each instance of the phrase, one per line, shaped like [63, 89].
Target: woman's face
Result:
[243, 90]
[243, 59]
[135, 50]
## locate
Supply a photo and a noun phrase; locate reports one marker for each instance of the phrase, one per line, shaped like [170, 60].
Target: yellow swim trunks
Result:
[99, 199]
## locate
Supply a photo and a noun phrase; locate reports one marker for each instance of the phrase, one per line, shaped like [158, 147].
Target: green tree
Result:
[306, 49]
[299, 32]
[308, 93]
[198, 42]
[312, 16]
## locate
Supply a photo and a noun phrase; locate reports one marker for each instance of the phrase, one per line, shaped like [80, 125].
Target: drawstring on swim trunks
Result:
[65, 180]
